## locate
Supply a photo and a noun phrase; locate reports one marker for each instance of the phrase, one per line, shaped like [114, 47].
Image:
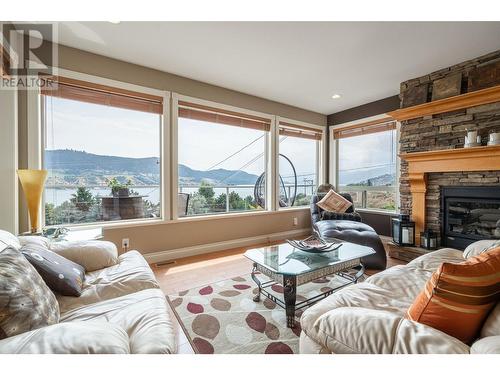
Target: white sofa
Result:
[368, 318]
[121, 310]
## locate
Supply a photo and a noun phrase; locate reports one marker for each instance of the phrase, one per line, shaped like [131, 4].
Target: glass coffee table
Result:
[283, 264]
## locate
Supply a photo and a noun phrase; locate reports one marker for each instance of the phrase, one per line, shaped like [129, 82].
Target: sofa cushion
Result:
[486, 345]
[60, 274]
[491, 326]
[143, 315]
[392, 290]
[92, 255]
[331, 228]
[480, 247]
[358, 330]
[458, 297]
[431, 261]
[131, 274]
[26, 302]
[334, 202]
[69, 338]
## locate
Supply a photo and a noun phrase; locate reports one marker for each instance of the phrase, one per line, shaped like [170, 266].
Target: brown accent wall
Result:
[380, 222]
[366, 110]
[448, 130]
[161, 237]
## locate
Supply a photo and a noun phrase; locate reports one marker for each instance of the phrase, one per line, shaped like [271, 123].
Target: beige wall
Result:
[162, 237]
[180, 234]
[8, 161]
[89, 63]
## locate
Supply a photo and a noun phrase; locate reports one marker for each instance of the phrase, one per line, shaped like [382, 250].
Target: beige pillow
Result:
[92, 255]
[334, 202]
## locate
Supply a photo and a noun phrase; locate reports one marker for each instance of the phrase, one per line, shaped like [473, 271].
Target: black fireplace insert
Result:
[469, 214]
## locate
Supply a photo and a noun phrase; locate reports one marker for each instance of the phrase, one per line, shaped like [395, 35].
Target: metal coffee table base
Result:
[291, 282]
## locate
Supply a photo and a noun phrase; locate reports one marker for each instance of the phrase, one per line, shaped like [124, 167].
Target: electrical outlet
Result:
[125, 244]
[295, 221]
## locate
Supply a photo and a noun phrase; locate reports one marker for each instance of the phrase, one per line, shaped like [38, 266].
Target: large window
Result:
[367, 164]
[299, 152]
[102, 153]
[107, 152]
[222, 158]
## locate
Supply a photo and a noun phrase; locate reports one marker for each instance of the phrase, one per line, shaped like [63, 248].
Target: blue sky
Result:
[113, 131]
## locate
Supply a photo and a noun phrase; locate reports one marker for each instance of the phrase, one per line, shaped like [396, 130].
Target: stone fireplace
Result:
[434, 143]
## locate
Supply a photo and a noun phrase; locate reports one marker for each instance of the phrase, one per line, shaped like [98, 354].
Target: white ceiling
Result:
[298, 63]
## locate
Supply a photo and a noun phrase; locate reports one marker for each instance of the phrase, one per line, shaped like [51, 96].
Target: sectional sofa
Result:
[121, 309]
[369, 317]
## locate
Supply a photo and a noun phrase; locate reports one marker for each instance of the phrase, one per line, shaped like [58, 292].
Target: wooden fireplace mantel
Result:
[485, 158]
[470, 99]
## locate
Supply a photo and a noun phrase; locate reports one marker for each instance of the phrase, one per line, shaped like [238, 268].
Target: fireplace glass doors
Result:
[470, 213]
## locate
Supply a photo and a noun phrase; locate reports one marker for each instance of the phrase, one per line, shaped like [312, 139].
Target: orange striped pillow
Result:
[458, 297]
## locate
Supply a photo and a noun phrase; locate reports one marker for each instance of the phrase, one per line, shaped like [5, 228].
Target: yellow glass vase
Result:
[33, 181]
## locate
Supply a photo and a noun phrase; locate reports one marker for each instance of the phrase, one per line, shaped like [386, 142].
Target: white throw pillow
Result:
[334, 202]
[92, 255]
[480, 247]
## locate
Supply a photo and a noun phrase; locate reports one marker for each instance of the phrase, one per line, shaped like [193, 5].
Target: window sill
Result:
[142, 223]
[234, 215]
[376, 211]
[296, 208]
[110, 225]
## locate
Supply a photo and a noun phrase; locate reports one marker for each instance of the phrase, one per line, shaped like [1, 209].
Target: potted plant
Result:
[119, 189]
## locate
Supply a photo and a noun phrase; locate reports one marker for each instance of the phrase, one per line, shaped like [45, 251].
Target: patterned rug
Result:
[222, 318]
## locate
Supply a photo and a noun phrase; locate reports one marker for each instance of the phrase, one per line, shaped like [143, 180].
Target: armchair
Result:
[347, 226]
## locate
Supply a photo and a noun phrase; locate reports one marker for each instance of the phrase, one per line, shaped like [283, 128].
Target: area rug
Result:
[222, 318]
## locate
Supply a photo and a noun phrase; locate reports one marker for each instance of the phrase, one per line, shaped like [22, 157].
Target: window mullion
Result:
[165, 162]
[273, 173]
[174, 155]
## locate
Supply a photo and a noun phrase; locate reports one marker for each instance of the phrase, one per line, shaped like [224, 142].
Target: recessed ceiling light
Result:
[115, 22]
[335, 96]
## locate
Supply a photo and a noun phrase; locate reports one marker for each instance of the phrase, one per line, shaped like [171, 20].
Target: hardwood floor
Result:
[199, 270]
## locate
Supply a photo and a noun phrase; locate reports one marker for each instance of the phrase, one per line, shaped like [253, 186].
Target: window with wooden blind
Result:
[222, 158]
[299, 160]
[4, 62]
[367, 163]
[102, 152]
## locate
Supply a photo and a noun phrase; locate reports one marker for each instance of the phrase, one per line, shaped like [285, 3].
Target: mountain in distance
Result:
[81, 161]
[80, 168]
[188, 175]
[376, 176]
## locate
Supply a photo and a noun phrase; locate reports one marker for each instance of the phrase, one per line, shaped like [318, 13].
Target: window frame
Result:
[169, 153]
[334, 159]
[321, 157]
[37, 136]
[270, 162]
